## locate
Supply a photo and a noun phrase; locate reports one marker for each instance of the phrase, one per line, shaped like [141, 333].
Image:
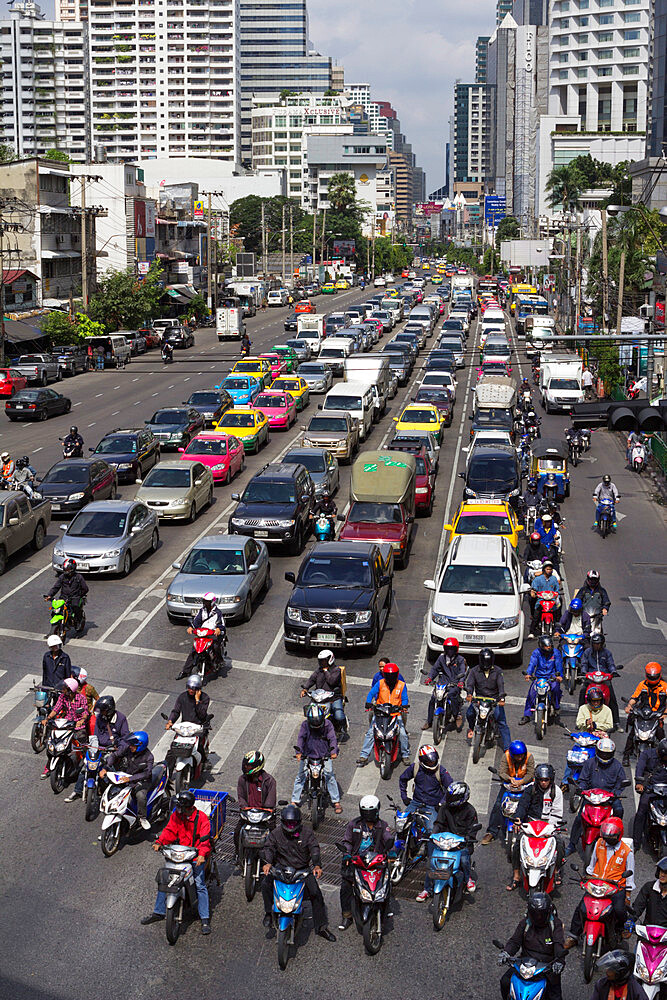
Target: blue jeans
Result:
[501, 722]
[202, 896]
[430, 813]
[337, 710]
[329, 777]
[530, 697]
[403, 741]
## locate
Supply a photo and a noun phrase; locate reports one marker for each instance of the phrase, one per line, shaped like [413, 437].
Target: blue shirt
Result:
[541, 666]
[543, 582]
[377, 677]
[548, 537]
[375, 691]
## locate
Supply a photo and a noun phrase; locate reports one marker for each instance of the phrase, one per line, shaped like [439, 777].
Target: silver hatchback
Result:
[107, 537]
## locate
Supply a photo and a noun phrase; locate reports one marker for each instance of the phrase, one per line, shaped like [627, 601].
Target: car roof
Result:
[278, 470]
[125, 430]
[492, 448]
[305, 451]
[119, 505]
[473, 550]
[341, 548]
[220, 542]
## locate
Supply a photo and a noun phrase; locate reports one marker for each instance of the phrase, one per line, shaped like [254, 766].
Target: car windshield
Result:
[492, 473]
[204, 399]
[247, 366]
[493, 417]
[564, 383]
[289, 384]
[278, 401]
[269, 491]
[67, 474]
[168, 478]
[483, 524]
[236, 383]
[550, 464]
[330, 424]
[237, 420]
[213, 562]
[459, 579]
[296, 345]
[336, 571]
[314, 463]
[98, 524]
[169, 417]
[204, 446]
[305, 370]
[332, 352]
[380, 513]
[341, 402]
[28, 394]
[116, 444]
[414, 416]
[437, 378]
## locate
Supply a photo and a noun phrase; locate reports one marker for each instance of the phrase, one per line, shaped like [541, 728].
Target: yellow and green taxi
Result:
[247, 424]
[259, 368]
[421, 417]
[391, 293]
[342, 284]
[288, 355]
[296, 386]
[437, 279]
[475, 517]
[328, 288]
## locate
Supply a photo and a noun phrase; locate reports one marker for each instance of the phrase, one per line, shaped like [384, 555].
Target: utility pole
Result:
[291, 241]
[264, 260]
[283, 245]
[372, 274]
[314, 239]
[605, 272]
[578, 277]
[324, 227]
[84, 248]
[2, 296]
[621, 280]
[209, 275]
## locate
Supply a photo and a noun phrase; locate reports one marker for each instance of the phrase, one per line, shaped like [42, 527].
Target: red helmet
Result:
[611, 830]
[390, 670]
[653, 674]
[535, 536]
[451, 645]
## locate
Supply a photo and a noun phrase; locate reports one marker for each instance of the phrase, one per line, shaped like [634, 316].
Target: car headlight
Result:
[440, 619]
[238, 520]
[77, 496]
[294, 614]
[287, 522]
[229, 600]
[180, 503]
[363, 617]
[124, 465]
[218, 468]
[510, 622]
[111, 553]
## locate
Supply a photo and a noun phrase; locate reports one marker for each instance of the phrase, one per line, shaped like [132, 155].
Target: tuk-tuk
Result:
[550, 456]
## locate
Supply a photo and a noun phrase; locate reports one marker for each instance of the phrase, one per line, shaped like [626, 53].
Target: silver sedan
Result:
[318, 376]
[107, 536]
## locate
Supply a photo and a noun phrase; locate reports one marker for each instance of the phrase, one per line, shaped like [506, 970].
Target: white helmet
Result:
[209, 597]
[54, 640]
[369, 808]
[326, 656]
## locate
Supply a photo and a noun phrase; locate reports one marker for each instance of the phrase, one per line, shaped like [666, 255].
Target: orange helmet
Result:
[653, 674]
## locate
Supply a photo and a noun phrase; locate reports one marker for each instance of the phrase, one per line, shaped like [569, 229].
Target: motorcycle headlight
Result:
[440, 620]
[287, 905]
[50, 746]
[363, 617]
[294, 614]
[640, 969]
[93, 765]
[483, 711]
[365, 895]
[510, 622]
[77, 496]
[315, 771]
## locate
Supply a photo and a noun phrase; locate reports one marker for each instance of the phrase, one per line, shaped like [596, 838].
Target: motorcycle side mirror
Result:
[493, 770]
[163, 715]
[476, 828]
[498, 944]
[91, 449]
[574, 869]
[282, 802]
[340, 517]
[619, 666]
[624, 699]
[626, 783]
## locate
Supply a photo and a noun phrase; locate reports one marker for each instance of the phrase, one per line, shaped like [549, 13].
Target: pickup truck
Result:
[39, 368]
[22, 522]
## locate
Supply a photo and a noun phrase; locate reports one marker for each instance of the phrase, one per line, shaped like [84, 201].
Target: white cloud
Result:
[411, 54]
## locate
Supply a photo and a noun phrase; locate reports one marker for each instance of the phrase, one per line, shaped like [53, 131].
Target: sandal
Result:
[514, 884]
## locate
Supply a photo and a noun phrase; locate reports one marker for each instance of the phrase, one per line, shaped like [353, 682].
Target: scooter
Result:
[645, 723]
[446, 872]
[189, 759]
[529, 977]
[533, 566]
[584, 747]
[548, 601]
[585, 438]
[288, 889]
[651, 958]
[63, 616]
[571, 650]
[318, 696]
[597, 805]
[254, 832]
[45, 699]
[119, 807]
[176, 879]
[508, 807]
[537, 855]
[543, 713]
[656, 820]
[605, 516]
[600, 679]
[204, 660]
[599, 934]
[315, 794]
[324, 528]
[485, 731]
[385, 737]
[371, 888]
[64, 752]
[167, 356]
[638, 458]
[412, 837]
[71, 450]
[444, 714]
[92, 783]
[574, 445]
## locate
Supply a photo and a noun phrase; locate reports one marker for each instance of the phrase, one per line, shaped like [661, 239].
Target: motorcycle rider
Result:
[449, 668]
[191, 706]
[651, 770]
[545, 662]
[652, 898]
[634, 438]
[245, 344]
[617, 983]
[532, 422]
[388, 691]
[71, 704]
[256, 788]
[365, 833]
[535, 549]
[431, 781]
[73, 443]
[543, 800]
[602, 771]
[56, 664]
[457, 815]
[293, 845]
[328, 677]
[533, 495]
[317, 739]
[8, 469]
[594, 716]
[486, 681]
[109, 727]
[548, 580]
[575, 621]
[518, 771]
[652, 691]
[209, 616]
[136, 760]
[594, 597]
[24, 477]
[191, 827]
[612, 857]
[382, 663]
[548, 533]
[325, 505]
[80, 675]
[598, 657]
[167, 350]
[73, 589]
[539, 935]
[605, 490]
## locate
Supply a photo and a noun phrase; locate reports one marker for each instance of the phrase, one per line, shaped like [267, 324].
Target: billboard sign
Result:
[150, 218]
[198, 210]
[140, 219]
[344, 248]
[494, 209]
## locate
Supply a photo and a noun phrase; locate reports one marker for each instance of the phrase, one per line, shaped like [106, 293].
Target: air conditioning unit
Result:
[60, 239]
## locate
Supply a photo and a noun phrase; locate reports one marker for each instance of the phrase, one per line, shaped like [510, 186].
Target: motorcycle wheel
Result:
[588, 854]
[38, 737]
[509, 846]
[57, 777]
[182, 779]
[440, 908]
[398, 866]
[172, 924]
[372, 933]
[476, 745]
[575, 798]
[571, 679]
[589, 962]
[540, 723]
[111, 840]
[604, 527]
[314, 812]
[385, 766]
[249, 881]
[438, 728]
[92, 804]
[283, 948]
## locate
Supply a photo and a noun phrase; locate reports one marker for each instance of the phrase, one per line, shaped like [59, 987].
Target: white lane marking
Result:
[171, 387]
[478, 779]
[539, 752]
[34, 576]
[115, 692]
[272, 648]
[151, 703]
[115, 413]
[153, 394]
[278, 738]
[92, 425]
[188, 378]
[117, 386]
[35, 450]
[98, 395]
[365, 780]
[77, 404]
[638, 604]
[160, 749]
[135, 379]
[230, 733]
[15, 695]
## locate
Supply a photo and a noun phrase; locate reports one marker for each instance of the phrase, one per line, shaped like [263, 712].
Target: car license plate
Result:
[55, 506]
[261, 534]
[473, 637]
[18, 406]
[82, 565]
[326, 636]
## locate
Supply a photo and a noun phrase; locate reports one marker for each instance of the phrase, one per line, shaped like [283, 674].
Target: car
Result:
[296, 386]
[342, 284]
[223, 454]
[11, 381]
[491, 435]
[248, 424]
[175, 425]
[341, 597]
[75, 482]
[478, 597]
[384, 317]
[493, 472]
[130, 452]
[305, 306]
[179, 338]
[321, 465]
[211, 403]
[410, 339]
[328, 288]
[291, 325]
[376, 322]
[437, 396]
[411, 441]
[259, 368]
[36, 404]
[333, 323]
[424, 484]
[243, 389]
[277, 363]
[72, 358]
[416, 331]
[400, 347]
[379, 282]
[480, 517]
[277, 297]
[493, 368]
[275, 506]
[335, 430]
[237, 570]
[136, 340]
[278, 406]
[108, 536]
[421, 417]
[177, 492]
[317, 376]
[289, 356]
[301, 348]
[440, 380]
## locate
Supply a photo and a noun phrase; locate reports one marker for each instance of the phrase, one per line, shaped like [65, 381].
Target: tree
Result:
[284, 94]
[508, 229]
[58, 155]
[197, 308]
[565, 184]
[245, 219]
[7, 153]
[126, 302]
[342, 192]
[60, 329]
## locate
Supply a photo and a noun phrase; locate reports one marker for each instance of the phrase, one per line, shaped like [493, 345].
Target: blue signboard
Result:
[494, 209]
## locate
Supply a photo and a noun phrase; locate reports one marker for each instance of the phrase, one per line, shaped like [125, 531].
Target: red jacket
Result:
[181, 830]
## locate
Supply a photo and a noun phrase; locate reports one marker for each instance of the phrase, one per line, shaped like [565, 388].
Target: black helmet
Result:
[662, 751]
[369, 808]
[593, 577]
[23, 462]
[105, 706]
[539, 909]
[545, 644]
[253, 762]
[457, 794]
[290, 821]
[486, 658]
[606, 479]
[315, 716]
[545, 772]
[595, 694]
[74, 429]
[69, 566]
[597, 639]
[184, 801]
[616, 965]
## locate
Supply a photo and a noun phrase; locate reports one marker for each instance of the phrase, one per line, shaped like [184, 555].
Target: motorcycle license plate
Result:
[326, 636]
[473, 637]
[261, 534]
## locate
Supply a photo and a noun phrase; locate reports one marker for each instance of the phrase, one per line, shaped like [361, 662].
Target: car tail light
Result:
[32, 406]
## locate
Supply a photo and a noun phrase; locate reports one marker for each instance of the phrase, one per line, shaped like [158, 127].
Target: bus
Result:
[529, 305]
[520, 289]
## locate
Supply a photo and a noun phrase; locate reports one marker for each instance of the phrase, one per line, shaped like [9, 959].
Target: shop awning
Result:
[187, 291]
[176, 296]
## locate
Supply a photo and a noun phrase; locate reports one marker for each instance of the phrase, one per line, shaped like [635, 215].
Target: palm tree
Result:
[342, 192]
[565, 184]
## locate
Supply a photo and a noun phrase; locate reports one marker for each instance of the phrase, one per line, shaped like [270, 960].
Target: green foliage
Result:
[197, 308]
[565, 184]
[87, 327]
[125, 302]
[508, 229]
[58, 155]
[596, 174]
[490, 261]
[390, 256]
[7, 153]
[342, 192]
[635, 233]
[62, 330]
[284, 94]
[608, 366]
[245, 219]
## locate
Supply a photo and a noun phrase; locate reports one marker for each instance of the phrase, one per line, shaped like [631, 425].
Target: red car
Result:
[279, 408]
[305, 306]
[424, 484]
[438, 397]
[378, 324]
[11, 381]
[223, 454]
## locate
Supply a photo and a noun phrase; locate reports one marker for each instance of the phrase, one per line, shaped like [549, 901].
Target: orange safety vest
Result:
[514, 771]
[613, 867]
[7, 469]
[388, 697]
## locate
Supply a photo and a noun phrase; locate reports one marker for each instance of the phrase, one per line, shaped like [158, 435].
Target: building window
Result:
[604, 71]
[583, 38]
[562, 74]
[631, 53]
[606, 3]
[606, 18]
[582, 74]
[632, 16]
[583, 22]
[582, 56]
[630, 70]
[632, 35]
[605, 54]
[605, 36]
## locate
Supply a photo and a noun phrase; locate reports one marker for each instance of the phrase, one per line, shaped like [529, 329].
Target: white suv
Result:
[478, 597]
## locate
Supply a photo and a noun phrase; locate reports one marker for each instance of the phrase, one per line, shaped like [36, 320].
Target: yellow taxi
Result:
[342, 284]
[247, 424]
[426, 267]
[475, 517]
[437, 279]
[259, 368]
[391, 293]
[421, 417]
[328, 288]
[297, 387]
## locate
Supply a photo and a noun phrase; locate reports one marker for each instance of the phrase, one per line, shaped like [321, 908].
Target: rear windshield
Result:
[343, 403]
[116, 444]
[328, 424]
[379, 513]
[314, 463]
[169, 417]
[492, 473]
[204, 399]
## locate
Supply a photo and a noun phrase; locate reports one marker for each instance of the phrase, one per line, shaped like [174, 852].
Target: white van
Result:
[333, 352]
[165, 324]
[359, 401]
[277, 297]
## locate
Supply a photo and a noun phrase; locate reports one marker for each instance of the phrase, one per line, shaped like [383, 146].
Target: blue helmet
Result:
[576, 604]
[138, 741]
[518, 749]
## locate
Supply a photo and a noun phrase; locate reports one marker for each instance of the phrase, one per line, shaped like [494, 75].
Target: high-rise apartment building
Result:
[481, 56]
[165, 78]
[471, 132]
[503, 7]
[71, 10]
[44, 85]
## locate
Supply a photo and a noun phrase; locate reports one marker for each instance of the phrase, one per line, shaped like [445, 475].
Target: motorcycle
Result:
[65, 615]
[486, 730]
[315, 793]
[656, 820]
[371, 888]
[71, 450]
[529, 521]
[585, 438]
[543, 712]
[92, 783]
[45, 699]
[288, 888]
[444, 713]
[548, 601]
[537, 855]
[599, 935]
[167, 356]
[255, 830]
[651, 958]
[508, 806]
[571, 650]
[176, 879]
[550, 491]
[64, 752]
[646, 725]
[605, 516]
[638, 458]
[412, 835]
[597, 806]
[323, 698]
[385, 737]
[600, 679]
[119, 807]
[529, 977]
[203, 657]
[574, 446]
[324, 528]
[188, 768]
[584, 747]
[446, 872]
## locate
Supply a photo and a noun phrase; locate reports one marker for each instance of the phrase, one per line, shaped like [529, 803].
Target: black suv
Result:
[275, 506]
[130, 452]
[341, 598]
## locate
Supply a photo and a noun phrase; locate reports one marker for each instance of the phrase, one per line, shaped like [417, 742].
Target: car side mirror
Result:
[13, 520]
[91, 449]
[410, 518]
[290, 577]
[63, 527]
[236, 496]
[138, 481]
[462, 475]
[199, 481]
[429, 584]
[253, 567]
[135, 530]
[524, 588]
[319, 407]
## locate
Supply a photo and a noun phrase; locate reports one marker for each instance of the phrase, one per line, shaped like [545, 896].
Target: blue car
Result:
[244, 389]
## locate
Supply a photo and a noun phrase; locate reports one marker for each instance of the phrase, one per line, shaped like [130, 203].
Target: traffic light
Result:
[627, 415]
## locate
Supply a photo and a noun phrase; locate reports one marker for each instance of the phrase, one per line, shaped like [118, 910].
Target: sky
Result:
[410, 53]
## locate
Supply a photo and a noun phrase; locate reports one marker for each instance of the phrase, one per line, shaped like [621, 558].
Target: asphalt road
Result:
[75, 914]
